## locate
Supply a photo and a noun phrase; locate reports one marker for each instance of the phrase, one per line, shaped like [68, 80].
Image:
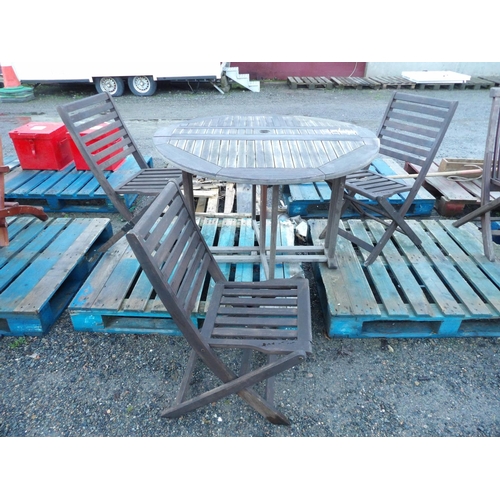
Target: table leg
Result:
[268, 265]
[187, 186]
[254, 203]
[262, 232]
[274, 230]
[332, 225]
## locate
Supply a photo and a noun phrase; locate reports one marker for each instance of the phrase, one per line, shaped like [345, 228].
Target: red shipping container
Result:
[80, 163]
[42, 146]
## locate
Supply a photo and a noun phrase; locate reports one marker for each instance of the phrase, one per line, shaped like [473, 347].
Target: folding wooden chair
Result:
[272, 317]
[108, 143]
[411, 130]
[11, 208]
[490, 180]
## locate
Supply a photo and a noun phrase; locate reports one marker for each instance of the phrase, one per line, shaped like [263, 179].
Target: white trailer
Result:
[113, 76]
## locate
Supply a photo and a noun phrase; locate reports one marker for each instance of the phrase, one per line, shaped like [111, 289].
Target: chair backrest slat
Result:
[405, 134]
[418, 119]
[410, 128]
[113, 131]
[89, 117]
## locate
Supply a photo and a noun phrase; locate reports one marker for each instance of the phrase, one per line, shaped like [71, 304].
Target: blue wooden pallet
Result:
[445, 289]
[42, 268]
[312, 199]
[117, 297]
[69, 189]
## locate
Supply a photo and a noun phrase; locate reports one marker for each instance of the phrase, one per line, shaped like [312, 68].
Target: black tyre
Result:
[142, 85]
[113, 85]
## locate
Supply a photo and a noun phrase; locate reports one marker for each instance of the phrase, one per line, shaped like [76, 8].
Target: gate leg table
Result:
[271, 151]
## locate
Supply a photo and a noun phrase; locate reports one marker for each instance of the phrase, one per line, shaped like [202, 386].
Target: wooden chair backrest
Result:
[413, 128]
[108, 143]
[491, 172]
[172, 251]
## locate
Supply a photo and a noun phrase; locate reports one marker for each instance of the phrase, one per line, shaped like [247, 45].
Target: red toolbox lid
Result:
[40, 130]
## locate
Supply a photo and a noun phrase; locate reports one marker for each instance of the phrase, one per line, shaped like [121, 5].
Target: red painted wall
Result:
[282, 70]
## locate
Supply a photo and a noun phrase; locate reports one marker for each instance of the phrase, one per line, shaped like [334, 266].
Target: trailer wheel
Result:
[142, 85]
[113, 85]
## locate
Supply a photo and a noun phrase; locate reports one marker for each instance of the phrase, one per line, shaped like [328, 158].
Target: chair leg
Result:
[399, 221]
[489, 251]
[186, 379]
[240, 385]
[246, 361]
[270, 382]
[4, 235]
[488, 207]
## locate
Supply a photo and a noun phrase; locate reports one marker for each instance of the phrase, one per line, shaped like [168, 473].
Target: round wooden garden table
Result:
[271, 150]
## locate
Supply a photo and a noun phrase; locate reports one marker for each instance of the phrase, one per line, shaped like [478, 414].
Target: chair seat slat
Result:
[261, 331]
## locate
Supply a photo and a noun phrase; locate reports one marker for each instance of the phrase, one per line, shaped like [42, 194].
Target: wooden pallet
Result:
[312, 199]
[452, 196]
[475, 84]
[373, 82]
[492, 79]
[446, 289]
[67, 190]
[393, 82]
[42, 268]
[355, 82]
[118, 298]
[295, 82]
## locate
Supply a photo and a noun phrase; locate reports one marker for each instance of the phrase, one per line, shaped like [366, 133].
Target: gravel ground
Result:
[71, 383]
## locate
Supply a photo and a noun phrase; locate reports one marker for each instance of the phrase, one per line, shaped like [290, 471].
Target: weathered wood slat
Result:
[345, 292]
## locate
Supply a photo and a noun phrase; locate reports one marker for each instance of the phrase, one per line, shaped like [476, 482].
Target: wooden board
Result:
[42, 268]
[118, 298]
[452, 196]
[446, 288]
[67, 190]
[312, 199]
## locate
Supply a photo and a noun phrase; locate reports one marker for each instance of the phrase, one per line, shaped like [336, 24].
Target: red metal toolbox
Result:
[42, 146]
[80, 163]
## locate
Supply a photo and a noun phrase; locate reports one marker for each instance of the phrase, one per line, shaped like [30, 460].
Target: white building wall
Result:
[468, 68]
